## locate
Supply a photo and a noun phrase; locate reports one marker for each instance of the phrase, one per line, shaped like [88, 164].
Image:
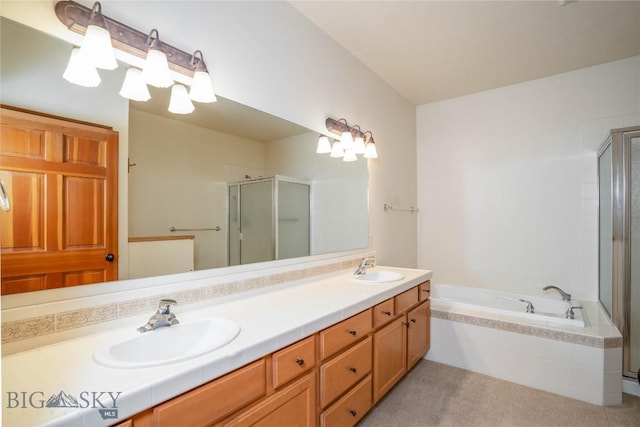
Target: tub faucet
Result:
[163, 316]
[529, 305]
[565, 296]
[364, 264]
[570, 314]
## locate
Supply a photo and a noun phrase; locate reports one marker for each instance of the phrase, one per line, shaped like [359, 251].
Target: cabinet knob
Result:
[407, 324]
[353, 412]
[300, 362]
[413, 320]
[354, 370]
[388, 313]
[352, 332]
[110, 257]
[427, 291]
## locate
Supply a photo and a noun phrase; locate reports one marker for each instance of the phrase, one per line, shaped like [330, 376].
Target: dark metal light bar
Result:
[76, 16]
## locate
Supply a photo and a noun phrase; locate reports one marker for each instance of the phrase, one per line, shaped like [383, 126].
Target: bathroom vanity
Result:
[331, 378]
[319, 351]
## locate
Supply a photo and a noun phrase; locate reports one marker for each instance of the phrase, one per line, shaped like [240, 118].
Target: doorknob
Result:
[110, 257]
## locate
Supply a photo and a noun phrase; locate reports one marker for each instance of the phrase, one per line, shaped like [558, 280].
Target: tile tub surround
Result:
[581, 363]
[269, 320]
[31, 326]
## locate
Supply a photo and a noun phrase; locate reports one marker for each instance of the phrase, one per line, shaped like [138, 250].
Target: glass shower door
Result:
[257, 241]
[634, 234]
[293, 219]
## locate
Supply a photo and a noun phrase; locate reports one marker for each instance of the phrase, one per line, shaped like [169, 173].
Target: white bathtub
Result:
[551, 310]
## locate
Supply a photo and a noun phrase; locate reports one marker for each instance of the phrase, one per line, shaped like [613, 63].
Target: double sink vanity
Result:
[319, 351]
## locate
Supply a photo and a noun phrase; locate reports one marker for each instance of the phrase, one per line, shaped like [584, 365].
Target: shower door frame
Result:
[620, 141]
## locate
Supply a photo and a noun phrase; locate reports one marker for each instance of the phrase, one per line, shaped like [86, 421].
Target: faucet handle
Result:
[164, 304]
[570, 314]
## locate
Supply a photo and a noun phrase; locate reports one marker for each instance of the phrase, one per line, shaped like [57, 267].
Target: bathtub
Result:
[550, 310]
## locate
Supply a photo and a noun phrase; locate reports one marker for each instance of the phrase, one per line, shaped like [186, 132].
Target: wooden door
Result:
[418, 333]
[62, 181]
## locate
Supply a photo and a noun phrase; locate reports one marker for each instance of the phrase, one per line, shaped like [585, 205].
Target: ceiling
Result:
[434, 50]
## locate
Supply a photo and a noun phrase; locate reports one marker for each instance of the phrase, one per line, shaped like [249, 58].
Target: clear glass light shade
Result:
[156, 69]
[337, 150]
[358, 145]
[371, 152]
[134, 87]
[202, 88]
[347, 140]
[349, 156]
[80, 72]
[180, 102]
[324, 146]
[97, 50]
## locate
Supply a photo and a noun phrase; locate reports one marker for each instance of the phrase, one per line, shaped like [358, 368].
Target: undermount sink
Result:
[380, 276]
[168, 344]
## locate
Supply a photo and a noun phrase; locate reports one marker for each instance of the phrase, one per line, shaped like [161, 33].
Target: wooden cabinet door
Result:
[62, 181]
[389, 357]
[418, 339]
[294, 405]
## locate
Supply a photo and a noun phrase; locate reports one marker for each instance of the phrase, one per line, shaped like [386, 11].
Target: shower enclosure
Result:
[619, 239]
[269, 219]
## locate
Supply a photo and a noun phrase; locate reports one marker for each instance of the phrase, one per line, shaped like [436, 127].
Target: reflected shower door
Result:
[634, 216]
[234, 225]
[293, 219]
[257, 242]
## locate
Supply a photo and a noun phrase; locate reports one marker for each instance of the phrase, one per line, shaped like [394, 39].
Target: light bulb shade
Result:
[134, 87]
[358, 145]
[337, 150]
[347, 140]
[180, 102]
[202, 88]
[80, 72]
[371, 152]
[96, 48]
[324, 146]
[156, 68]
[349, 156]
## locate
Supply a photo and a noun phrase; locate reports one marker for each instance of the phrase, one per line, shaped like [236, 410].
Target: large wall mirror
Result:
[186, 166]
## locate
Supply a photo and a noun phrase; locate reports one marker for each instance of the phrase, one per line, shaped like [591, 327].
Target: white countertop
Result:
[268, 321]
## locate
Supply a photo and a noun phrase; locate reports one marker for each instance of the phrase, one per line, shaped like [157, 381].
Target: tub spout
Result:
[565, 296]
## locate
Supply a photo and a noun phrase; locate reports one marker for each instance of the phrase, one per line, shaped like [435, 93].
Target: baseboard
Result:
[630, 386]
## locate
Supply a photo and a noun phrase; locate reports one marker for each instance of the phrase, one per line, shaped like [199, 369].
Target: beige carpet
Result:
[433, 394]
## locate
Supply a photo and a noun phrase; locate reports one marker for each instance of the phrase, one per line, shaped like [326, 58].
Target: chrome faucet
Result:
[163, 316]
[364, 264]
[565, 296]
[530, 308]
[570, 314]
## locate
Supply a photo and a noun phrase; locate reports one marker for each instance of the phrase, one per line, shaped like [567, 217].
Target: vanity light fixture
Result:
[324, 146]
[180, 102]
[96, 48]
[349, 141]
[159, 58]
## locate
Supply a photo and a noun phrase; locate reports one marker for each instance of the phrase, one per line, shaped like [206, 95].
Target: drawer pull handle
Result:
[300, 362]
[427, 290]
[352, 332]
[388, 313]
[413, 320]
[407, 324]
[353, 412]
[354, 370]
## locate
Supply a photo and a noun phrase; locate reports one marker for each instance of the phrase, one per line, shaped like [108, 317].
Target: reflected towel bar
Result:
[391, 208]
[217, 228]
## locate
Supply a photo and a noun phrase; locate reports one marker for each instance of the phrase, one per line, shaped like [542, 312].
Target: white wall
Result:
[179, 166]
[507, 179]
[268, 56]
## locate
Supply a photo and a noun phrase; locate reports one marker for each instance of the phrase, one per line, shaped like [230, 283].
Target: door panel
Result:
[61, 178]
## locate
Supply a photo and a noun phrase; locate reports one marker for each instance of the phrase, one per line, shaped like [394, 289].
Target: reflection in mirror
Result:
[181, 165]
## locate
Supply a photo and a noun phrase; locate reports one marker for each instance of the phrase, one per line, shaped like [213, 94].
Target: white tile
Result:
[613, 359]
[587, 380]
[559, 373]
[612, 382]
[167, 387]
[533, 346]
[588, 357]
[612, 399]
[559, 351]
[586, 396]
[631, 120]
[562, 390]
[510, 341]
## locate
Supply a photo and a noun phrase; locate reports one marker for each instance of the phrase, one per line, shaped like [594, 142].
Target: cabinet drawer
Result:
[341, 335]
[294, 360]
[349, 410]
[425, 290]
[383, 312]
[406, 299]
[214, 400]
[338, 375]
